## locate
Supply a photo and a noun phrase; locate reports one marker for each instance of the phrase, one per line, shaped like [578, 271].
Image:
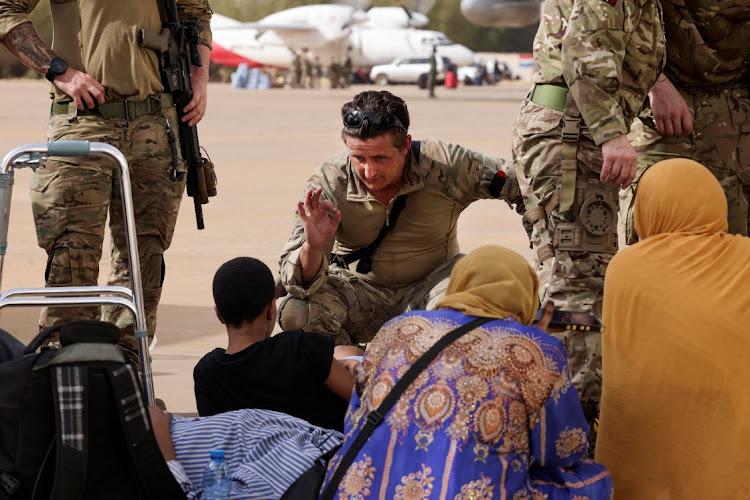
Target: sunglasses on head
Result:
[377, 119]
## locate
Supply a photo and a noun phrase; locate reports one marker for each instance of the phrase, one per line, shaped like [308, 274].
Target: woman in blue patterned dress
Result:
[493, 416]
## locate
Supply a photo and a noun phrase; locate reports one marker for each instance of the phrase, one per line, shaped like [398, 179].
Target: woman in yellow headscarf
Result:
[675, 415]
[493, 416]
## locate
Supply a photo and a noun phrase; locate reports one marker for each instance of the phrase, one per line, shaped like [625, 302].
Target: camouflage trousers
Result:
[572, 280]
[720, 141]
[352, 310]
[71, 198]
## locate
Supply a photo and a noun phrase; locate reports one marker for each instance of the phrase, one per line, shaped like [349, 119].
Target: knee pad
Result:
[294, 313]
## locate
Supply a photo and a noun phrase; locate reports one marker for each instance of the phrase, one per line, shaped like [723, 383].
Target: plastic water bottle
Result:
[216, 479]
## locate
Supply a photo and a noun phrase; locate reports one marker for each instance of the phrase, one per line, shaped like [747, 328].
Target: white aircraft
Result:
[374, 36]
[502, 13]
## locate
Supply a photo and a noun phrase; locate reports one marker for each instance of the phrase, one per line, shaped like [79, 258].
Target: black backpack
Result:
[74, 424]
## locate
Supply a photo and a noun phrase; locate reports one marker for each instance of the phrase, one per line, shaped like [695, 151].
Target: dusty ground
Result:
[264, 145]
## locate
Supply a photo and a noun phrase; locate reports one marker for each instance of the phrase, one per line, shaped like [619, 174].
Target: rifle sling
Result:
[375, 417]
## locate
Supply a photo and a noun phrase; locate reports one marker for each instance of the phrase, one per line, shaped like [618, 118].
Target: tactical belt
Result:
[121, 108]
[559, 98]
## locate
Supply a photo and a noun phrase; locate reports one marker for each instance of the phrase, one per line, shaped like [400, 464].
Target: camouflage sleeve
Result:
[14, 13]
[331, 176]
[593, 50]
[197, 9]
[466, 174]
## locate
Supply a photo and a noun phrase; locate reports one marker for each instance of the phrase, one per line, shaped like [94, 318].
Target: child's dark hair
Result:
[242, 288]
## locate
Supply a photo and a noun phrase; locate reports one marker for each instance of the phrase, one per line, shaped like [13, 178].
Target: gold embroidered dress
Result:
[493, 416]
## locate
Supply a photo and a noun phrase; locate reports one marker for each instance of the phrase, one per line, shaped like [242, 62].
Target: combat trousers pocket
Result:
[48, 206]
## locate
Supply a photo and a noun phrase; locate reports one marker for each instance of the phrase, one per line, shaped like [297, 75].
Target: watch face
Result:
[57, 66]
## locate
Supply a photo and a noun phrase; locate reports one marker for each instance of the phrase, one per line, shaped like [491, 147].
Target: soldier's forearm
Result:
[202, 71]
[25, 43]
[310, 260]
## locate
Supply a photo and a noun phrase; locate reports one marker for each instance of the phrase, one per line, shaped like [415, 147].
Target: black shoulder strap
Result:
[377, 415]
[415, 149]
[156, 481]
[364, 254]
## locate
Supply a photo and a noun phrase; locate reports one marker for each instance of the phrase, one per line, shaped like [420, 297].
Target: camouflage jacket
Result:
[100, 37]
[607, 52]
[708, 42]
[444, 182]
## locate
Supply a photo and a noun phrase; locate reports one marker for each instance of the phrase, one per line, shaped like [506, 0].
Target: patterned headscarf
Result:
[494, 282]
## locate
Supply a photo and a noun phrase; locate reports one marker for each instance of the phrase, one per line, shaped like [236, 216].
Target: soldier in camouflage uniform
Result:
[700, 107]
[106, 88]
[336, 288]
[597, 60]
[334, 73]
[296, 71]
[306, 76]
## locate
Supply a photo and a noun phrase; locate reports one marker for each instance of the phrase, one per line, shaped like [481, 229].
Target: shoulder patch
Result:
[611, 2]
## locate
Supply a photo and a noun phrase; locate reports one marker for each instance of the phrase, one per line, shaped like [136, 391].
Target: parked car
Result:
[409, 69]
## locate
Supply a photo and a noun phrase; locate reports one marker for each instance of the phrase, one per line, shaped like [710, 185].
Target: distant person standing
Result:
[317, 73]
[307, 69]
[296, 77]
[346, 74]
[334, 73]
[432, 76]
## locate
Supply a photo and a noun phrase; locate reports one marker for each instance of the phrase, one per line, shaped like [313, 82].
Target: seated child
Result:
[293, 372]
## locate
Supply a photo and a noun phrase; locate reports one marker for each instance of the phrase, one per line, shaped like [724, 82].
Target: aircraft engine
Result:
[501, 13]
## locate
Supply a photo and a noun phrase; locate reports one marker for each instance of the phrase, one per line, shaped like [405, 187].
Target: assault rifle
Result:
[177, 46]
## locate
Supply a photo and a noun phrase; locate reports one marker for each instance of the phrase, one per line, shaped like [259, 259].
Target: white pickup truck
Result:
[408, 69]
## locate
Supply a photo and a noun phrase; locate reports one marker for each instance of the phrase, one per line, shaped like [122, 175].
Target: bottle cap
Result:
[217, 453]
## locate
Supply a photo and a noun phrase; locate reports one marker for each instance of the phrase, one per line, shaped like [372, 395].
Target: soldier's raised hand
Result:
[320, 219]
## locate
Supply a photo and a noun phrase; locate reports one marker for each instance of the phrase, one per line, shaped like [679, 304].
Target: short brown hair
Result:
[377, 100]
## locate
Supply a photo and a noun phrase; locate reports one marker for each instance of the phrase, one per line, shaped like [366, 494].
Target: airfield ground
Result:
[264, 145]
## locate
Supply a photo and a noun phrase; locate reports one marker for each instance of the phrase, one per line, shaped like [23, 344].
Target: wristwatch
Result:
[57, 66]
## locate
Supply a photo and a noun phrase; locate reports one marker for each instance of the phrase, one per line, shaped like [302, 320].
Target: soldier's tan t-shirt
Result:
[439, 187]
[100, 37]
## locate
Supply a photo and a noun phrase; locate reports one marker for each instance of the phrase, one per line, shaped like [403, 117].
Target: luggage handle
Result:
[69, 148]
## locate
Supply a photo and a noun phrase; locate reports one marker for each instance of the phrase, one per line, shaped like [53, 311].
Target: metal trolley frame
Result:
[30, 155]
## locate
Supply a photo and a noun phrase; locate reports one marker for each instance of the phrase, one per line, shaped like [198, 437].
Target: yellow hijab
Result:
[493, 282]
[675, 414]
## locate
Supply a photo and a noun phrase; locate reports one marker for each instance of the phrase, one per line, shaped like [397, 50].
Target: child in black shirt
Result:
[293, 372]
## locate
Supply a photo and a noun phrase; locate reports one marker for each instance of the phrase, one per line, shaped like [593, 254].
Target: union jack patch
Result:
[611, 2]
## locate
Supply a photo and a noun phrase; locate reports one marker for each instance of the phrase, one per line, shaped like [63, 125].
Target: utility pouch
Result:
[210, 176]
[595, 227]
[205, 182]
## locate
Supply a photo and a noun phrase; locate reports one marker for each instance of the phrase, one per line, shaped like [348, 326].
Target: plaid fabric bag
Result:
[73, 422]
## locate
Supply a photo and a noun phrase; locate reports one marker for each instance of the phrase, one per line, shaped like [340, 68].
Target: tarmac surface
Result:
[264, 144]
